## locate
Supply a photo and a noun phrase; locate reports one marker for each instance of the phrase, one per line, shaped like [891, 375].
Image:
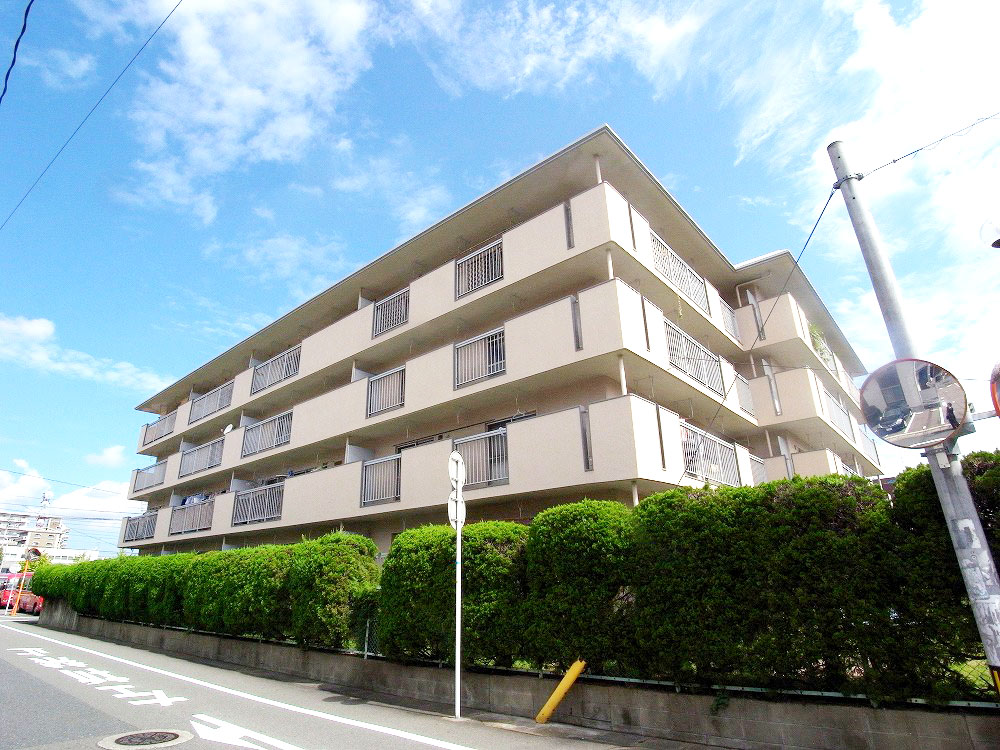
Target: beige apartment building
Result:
[573, 333]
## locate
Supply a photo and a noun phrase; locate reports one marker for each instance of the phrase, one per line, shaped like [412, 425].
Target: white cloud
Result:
[113, 456]
[60, 69]
[314, 191]
[31, 342]
[264, 212]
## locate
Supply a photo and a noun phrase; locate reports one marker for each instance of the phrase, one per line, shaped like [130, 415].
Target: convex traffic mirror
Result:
[913, 403]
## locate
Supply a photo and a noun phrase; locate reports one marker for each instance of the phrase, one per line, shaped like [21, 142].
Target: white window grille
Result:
[685, 278]
[276, 369]
[708, 458]
[140, 527]
[390, 312]
[380, 481]
[479, 268]
[150, 476]
[191, 517]
[480, 357]
[267, 434]
[485, 457]
[260, 504]
[162, 426]
[201, 458]
[744, 395]
[688, 355]
[211, 402]
[386, 391]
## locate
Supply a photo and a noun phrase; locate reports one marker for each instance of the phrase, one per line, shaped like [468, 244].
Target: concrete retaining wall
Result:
[745, 723]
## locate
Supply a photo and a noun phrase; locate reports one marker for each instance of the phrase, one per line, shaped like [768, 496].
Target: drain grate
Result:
[147, 738]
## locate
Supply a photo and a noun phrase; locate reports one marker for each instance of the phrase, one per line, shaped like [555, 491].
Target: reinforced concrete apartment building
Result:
[573, 333]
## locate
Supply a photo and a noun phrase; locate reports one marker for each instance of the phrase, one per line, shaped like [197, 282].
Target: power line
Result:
[87, 116]
[17, 43]
[60, 481]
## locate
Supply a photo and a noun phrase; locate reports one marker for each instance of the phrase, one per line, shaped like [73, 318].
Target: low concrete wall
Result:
[745, 723]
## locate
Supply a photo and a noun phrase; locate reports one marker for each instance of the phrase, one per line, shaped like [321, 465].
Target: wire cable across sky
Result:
[13, 59]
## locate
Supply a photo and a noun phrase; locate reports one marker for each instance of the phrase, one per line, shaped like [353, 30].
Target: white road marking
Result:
[259, 699]
[230, 734]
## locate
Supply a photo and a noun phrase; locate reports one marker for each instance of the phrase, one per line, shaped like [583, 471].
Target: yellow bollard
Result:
[560, 692]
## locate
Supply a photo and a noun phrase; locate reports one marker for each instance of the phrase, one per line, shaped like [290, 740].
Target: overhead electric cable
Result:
[17, 43]
[59, 481]
[87, 116]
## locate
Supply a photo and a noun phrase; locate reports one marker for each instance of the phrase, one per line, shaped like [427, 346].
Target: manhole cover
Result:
[153, 737]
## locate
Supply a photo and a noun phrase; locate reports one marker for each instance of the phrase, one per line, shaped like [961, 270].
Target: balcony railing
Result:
[386, 391]
[193, 517]
[685, 278]
[485, 457]
[847, 469]
[211, 402]
[478, 269]
[838, 414]
[390, 312]
[729, 319]
[267, 434]
[380, 481]
[260, 504]
[276, 369]
[688, 355]
[744, 395]
[867, 443]
[162, 426]
[140, 527]
[708, 458]
[150, 476]
[757, 467]
[201, 458]
[480, 357]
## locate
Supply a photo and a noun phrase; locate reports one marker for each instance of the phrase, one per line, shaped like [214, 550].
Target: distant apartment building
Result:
[572, 333]
[13, 556]
[32, 530]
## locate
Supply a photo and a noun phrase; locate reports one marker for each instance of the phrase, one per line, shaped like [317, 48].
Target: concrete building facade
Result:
[573, 333]
[32, 530]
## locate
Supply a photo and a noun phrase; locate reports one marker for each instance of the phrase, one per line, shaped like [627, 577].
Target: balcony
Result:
[267, 434]
[758, 470]
[162, 426]
[192, 517]
[203, 457]
[391, 312]
[140, 527]
[688, 355]
[386, 391]
[744, 394]
[480, 357]
[213, 401]
[479, 269]
[380, 481]
[276, 369]
[485, 458]
[729, 319]
[259, 504]
[150, 476]
[685, 278]
[838, 414]
[708, 458]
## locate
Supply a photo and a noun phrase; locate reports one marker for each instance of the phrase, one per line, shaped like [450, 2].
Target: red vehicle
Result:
[29, 601]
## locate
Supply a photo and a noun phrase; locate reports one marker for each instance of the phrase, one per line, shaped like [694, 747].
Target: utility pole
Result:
[967, 537]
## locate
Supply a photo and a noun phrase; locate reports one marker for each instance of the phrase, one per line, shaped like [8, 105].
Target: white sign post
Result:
[456, 514]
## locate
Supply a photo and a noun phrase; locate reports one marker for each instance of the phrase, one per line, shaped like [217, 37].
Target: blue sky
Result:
[257, 152]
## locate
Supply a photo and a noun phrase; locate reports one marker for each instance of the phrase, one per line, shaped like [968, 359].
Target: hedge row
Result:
[301, 591]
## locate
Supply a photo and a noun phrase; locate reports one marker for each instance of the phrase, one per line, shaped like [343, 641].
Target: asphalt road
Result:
[62, 691]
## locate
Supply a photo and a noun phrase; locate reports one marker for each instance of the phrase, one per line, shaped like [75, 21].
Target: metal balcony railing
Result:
[211, 402]
[192, 517]
[140, 527]
[380, 481]
[386, 391]
[477, 269]
[757, 467]
[729, 319]
[847, 469]
[708, 458]
[260, 504]
[685, 278]
[485, 457]
[838, 414]
[391, 312]
[267, 434]
[688, 355]
[867, 443]
[480, 357]
[150, 476]
[201, 458]
[276, 369]
[744, 395]
[162, 426]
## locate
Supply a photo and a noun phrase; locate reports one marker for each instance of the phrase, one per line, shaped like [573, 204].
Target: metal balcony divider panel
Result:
[485, 457]
[201, 458]
[688, 355]
[479, 268]
[729, 319]
[140, 527]
[267, 434]
[194, 517]
[708, 458]
[380, 480]
[386, 391]
[150, 476]
[757, 467]
[685, 278]
[162, 426]
[276, 369]
[480, 357]
[391, 312]
[259, 504]
[211, 402]
[744, 394]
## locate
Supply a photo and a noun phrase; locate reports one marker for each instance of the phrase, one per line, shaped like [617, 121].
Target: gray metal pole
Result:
[964, 526]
